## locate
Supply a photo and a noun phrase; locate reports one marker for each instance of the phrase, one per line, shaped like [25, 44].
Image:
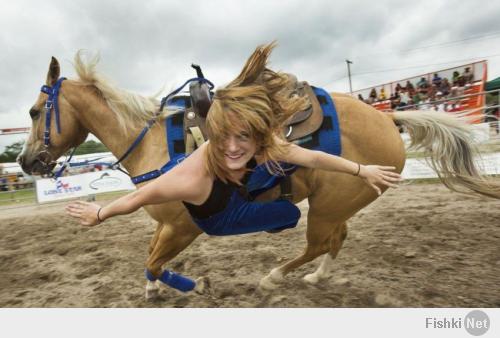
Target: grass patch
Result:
[17, 196]
[29, 197]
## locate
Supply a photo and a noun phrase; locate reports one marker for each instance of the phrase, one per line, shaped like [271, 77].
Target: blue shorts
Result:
[242, 217]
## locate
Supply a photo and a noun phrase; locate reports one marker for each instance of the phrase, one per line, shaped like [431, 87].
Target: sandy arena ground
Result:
[417, 246]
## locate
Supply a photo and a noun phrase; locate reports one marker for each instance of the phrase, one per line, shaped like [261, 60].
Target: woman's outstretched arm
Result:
[374, 175]
[185, 182]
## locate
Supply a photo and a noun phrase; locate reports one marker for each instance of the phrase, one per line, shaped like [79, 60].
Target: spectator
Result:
[373, 96]
[395, 104]
[401, 105]
[382, 96]
[398, 88]
[404, 97]
[409, 88]
[445, 87]
[454, 79]
[454, 106]
[440, 104]
[4, 184]
[436, 80]
[411, 103]
[425, 105]
[360, 97]
[456, 91]
[423, 85]
[468, 77]
[416, 98]
[431, 93]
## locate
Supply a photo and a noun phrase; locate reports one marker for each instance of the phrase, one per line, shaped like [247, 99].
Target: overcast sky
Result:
[145, 45]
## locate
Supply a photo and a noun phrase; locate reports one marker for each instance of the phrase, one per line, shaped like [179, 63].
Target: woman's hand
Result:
[376, 175]
[84, 211]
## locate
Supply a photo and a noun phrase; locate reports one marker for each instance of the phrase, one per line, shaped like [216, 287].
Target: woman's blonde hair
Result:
[259, 101]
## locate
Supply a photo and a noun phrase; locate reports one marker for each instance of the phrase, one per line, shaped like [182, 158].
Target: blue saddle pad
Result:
[326, 138]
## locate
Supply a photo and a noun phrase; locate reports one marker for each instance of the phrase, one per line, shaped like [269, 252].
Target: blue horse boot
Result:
[174, 280]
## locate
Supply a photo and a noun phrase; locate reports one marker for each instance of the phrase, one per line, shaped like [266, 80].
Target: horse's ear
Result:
[54, 72]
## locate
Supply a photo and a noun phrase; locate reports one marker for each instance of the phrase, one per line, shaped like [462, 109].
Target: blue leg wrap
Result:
[177, 281]
[149, 276]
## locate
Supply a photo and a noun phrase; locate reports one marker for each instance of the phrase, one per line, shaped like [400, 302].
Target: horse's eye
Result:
[34, 113]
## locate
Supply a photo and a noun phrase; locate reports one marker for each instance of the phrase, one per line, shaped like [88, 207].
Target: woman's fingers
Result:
[386, 167]
[377, 189]
[73, 207]
[391, 174]
[389, 184]
[75, 214]
[391, 178]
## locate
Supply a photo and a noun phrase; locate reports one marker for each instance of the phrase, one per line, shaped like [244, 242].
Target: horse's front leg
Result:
[172, 239]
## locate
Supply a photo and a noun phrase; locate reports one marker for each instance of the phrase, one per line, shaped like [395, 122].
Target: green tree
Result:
[90, 147]
[11, 152]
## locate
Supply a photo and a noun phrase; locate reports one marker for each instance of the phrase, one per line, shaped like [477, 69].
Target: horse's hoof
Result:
[267, 284]
[152, 290]
[311, 278]
[152, 294]
[202, 285]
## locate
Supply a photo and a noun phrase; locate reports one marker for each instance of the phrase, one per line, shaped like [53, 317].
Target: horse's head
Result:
[54, 126]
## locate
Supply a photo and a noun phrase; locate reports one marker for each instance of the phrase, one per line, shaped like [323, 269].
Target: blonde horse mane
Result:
[131, 110]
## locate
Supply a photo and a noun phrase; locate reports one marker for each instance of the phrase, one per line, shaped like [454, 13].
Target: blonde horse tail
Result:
[448, 143]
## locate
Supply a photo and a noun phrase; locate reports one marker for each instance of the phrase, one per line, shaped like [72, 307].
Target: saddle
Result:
[300, 125]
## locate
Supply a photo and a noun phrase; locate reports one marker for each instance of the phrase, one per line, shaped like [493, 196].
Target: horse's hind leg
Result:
[337, 239]
[318, 243]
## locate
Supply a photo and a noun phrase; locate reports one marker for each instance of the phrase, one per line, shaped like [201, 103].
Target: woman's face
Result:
[239, 148]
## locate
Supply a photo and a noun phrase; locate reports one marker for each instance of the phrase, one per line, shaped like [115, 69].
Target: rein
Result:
[152, 121]
[52, 104]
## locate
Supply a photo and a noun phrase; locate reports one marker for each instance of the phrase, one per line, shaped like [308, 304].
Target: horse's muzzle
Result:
[42, 164]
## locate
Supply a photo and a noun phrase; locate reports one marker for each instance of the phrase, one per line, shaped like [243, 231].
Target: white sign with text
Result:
[49, 190]
[418, 168]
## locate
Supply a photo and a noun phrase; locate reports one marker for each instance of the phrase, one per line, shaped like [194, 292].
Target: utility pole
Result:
[349, 74]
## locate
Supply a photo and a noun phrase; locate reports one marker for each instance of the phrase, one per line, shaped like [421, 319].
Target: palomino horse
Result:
[90, 104]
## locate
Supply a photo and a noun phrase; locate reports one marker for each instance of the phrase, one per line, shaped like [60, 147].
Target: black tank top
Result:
[219, 196]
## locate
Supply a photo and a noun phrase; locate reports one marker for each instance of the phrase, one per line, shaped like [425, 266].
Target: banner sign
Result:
[49, 190]
[415, 168]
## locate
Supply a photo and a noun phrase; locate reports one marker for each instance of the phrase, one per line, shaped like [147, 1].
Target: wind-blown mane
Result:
[131, 110]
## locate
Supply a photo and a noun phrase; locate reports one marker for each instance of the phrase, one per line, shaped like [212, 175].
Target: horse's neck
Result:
[100, 120]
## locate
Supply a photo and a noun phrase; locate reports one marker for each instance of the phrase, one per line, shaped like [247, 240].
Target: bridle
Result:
[52, 103]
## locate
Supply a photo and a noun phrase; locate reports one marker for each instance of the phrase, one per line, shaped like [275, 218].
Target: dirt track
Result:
[418, 246]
